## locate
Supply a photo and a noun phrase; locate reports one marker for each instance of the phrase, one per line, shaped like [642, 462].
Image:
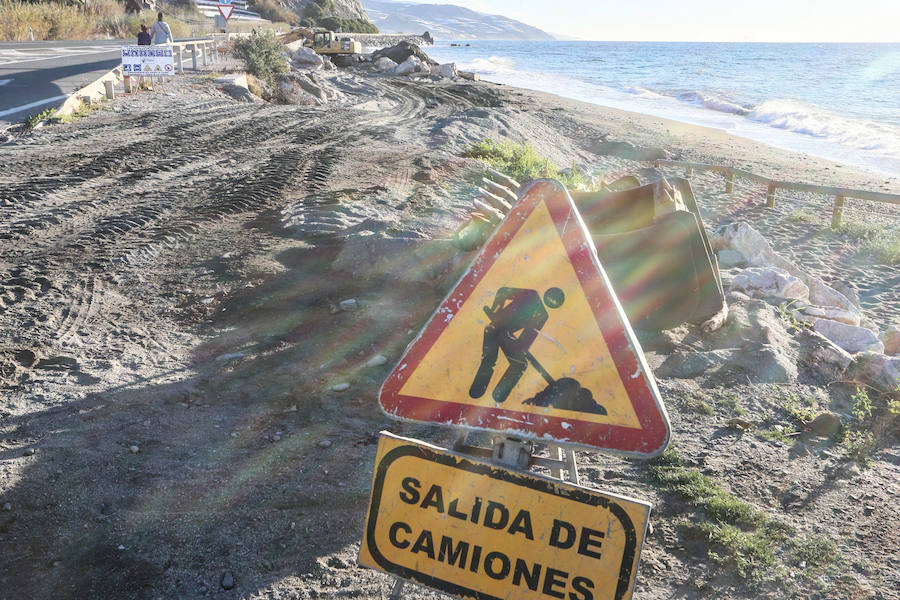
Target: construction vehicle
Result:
[329, 44]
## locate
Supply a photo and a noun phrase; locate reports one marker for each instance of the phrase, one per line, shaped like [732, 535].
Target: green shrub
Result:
[263, 55]
[346, 25]
[523, 163]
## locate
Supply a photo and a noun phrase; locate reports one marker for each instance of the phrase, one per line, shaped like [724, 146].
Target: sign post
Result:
[147, 61]
[532, 346]
[225, 9]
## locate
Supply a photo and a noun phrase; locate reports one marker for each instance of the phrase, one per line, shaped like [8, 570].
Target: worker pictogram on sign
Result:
[225, 10]
[476, 530]
[532, 343]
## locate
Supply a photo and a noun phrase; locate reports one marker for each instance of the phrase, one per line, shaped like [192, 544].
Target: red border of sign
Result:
[648, 441]
[230, 12]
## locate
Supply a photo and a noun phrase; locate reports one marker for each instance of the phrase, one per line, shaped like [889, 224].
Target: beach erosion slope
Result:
[201, 298]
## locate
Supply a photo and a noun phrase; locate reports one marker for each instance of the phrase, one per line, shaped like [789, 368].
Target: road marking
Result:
[16, 109]
[12, 60]
[4, 81]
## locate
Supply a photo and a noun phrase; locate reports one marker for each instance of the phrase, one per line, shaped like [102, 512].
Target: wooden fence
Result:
[772, 185]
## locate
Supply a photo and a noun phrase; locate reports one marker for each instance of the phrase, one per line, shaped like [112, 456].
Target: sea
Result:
[837, 101]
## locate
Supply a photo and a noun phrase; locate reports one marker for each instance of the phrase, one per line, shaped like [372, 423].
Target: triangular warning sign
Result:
[225, 10]
[532, 343]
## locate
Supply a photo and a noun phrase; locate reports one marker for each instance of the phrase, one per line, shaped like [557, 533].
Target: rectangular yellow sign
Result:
[476, 530]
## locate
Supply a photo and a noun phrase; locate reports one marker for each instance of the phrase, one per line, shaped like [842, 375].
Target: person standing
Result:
[143, 36]
[160, 32]
[143, 39]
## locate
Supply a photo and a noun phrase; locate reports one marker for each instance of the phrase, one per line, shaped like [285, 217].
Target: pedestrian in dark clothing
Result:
[144, 36]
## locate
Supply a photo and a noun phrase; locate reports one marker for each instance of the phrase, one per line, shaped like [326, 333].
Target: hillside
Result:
[446, 21]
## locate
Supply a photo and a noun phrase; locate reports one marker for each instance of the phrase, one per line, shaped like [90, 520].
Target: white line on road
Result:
[16, 109]
[4, 81]
[57, 56]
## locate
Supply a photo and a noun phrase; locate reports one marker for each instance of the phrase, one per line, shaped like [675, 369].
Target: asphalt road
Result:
[35, 76]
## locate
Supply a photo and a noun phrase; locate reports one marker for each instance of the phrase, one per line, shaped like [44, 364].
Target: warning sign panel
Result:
[533, 343]
[475, 530]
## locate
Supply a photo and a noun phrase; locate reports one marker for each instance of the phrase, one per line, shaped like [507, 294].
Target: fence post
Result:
[770, 196]
[837, 212]
[180, 59]
[110, 90]
[204, 48]
[729, 182]
[127, 81]
[193, 48]
[689, 173]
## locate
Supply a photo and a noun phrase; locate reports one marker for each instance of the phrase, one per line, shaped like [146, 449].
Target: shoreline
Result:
[788, 127]
[700, 143]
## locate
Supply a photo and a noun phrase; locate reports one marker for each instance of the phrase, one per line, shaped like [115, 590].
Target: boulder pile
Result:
[840, 341]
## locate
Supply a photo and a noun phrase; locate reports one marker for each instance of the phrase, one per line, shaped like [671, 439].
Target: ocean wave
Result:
[797, 117]
[714, 101]
[491, 65]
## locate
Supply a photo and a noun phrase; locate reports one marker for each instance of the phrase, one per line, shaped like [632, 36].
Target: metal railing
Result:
[772, 185]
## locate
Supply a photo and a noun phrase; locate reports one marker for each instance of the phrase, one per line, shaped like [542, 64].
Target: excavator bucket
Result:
[652, 244]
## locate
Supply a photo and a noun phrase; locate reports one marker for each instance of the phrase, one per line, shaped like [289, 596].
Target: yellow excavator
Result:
[330, 44]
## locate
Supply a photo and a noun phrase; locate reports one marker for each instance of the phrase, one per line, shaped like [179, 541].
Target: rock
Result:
[134, 449]
[227, 581]
[730, 258]
[348, 305]
[7, 506]
[376, 361]
[327, 64]
[878, 370]
[384, 65]
[403, 51]
[304, 57]
[742, 238]
[411, 66]
[850, 338]
[446, 70]
[811, 314]
[340, 387]
[628, 150]
[825, 424]
[29, 452]
[324, 444]
[290, 92]
[848, 291]
[688, 365]
[763, 282]
[891, 340]
[824, 356]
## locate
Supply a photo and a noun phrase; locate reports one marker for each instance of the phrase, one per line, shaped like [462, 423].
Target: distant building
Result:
[208, 8]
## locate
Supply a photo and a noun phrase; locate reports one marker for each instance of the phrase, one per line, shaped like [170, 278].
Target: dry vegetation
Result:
[97, 18]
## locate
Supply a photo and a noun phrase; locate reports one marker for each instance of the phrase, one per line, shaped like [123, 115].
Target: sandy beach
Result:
[172, 268]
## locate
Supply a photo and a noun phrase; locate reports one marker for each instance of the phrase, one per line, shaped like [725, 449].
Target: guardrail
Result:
[205, 48]
[772, 185]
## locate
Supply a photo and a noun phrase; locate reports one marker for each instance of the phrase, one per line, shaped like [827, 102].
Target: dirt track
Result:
[171, 275]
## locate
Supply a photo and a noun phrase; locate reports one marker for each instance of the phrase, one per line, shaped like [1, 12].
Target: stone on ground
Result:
[764, 282]
[850, 338]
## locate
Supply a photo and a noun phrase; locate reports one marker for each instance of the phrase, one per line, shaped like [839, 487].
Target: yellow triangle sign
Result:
[532, 343]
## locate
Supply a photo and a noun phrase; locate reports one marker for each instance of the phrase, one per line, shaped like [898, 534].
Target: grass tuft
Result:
[523, 163]
[878, 241]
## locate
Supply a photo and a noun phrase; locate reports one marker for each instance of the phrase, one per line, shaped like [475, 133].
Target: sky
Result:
[704, 20]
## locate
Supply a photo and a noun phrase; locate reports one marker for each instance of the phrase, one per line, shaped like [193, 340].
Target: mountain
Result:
[447, 22]
[350, 9]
